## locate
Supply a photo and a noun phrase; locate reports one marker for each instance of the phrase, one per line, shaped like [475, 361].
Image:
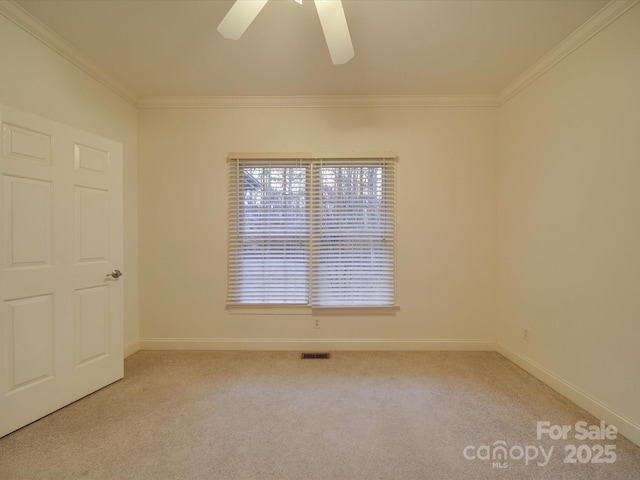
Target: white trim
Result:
[267, 309]
[131, 348]
[23, 19]
[147, 102]
[333, 344]
[233, 156]
[625, 426]
[598, 22]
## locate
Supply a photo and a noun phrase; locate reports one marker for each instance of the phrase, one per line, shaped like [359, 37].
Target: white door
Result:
[60, 236]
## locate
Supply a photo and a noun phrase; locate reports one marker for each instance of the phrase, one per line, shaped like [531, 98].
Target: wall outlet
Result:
[316, 323]
[525, 334]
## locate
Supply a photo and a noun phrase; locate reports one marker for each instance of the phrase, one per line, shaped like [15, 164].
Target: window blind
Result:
[268, 232]
[353, 233]
[312, 232]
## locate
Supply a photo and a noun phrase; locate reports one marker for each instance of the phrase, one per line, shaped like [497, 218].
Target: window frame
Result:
[312, 161]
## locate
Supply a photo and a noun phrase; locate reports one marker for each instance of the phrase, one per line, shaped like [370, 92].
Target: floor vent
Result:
[306, 356]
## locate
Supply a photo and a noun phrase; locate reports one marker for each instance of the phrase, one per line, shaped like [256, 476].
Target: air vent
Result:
[306, 356]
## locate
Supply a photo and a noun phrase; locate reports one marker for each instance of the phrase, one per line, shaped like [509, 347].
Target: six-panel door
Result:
[61, 235]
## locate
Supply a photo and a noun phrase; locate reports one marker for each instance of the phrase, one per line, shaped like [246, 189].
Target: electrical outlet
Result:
[525, 334]
[316, 323]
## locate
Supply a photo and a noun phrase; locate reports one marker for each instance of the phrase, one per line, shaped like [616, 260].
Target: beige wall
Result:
[36, 79]
[569, 224]
[446, 227]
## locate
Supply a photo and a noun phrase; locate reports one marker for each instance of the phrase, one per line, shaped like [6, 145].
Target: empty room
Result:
[320, 239]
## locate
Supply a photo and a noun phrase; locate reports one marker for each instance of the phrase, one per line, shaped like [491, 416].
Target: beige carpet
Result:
[271, 415]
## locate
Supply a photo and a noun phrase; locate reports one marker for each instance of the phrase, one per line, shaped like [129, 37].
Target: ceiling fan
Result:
[332, 19]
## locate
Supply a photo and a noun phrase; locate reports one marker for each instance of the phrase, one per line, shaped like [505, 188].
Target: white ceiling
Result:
[414, 47]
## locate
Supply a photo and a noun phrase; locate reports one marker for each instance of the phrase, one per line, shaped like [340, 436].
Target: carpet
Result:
[358, 415]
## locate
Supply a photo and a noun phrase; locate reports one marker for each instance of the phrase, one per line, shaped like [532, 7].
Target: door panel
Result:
[91, 224]
[24, 144]
[27, 215]
[92, 323]
[91, 160]
[30, 341]
[61, 316]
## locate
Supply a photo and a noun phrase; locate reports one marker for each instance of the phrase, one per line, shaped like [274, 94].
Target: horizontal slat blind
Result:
[268, 232]
[312, 232]
[353, 233]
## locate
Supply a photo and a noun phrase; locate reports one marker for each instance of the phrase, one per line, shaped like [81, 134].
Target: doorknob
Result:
[115, 274]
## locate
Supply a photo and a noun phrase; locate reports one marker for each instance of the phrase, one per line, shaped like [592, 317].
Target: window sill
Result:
[269, 309]
[278, 309]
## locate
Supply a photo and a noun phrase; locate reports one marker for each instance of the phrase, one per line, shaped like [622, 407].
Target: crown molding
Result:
[320, 101]
[55, 42]
[598, 22]
[604, 17]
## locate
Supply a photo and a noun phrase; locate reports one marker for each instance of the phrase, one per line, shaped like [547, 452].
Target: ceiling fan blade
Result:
[336, 30]
[239, 17]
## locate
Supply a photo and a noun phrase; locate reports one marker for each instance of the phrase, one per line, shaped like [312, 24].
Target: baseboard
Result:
[131, 348]
[625, 426]
[356, 344]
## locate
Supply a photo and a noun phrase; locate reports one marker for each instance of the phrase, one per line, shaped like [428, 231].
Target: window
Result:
[315, 232]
